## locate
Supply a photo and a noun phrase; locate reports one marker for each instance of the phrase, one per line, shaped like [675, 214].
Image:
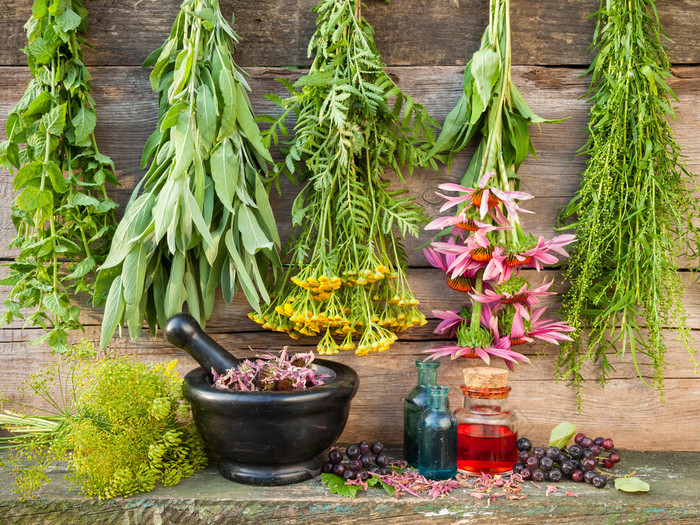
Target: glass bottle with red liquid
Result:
[487, 428]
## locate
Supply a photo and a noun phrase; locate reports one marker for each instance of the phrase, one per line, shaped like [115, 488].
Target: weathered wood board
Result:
[550, 41]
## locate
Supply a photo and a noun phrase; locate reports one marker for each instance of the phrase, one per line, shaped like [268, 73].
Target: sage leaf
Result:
[254, 239]
[631, 484]
[224, 171]
[561, 434]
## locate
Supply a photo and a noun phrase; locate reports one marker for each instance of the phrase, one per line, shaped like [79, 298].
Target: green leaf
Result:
[561, 434]
[206, 114]
[84, 123]
[631, 485]
[69, 20]
[183, 145]
[82, 269]
[33, 199]
[114, 309]
[52, 302]
[246, 282]
[265, 210]
[58, 181]
[134, 274]
[28, 173]
[224, 172]
[173, 114]
[41, 104]
[55, 120]
[198, 219]
[254, 238]
[81, 199]
[336, 485]
[485, 67]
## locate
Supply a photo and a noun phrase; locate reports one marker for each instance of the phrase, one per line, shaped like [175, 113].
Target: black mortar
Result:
[262, 438]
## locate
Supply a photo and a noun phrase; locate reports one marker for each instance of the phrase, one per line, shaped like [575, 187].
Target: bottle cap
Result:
[485, 377]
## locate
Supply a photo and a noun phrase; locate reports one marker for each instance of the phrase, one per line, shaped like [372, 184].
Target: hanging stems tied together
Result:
[347, 273]
[483, 246]
[635, 212]
[203, 218]
[63, 217]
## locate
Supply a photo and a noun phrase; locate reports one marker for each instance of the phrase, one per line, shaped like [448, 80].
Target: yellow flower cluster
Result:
[372, 304]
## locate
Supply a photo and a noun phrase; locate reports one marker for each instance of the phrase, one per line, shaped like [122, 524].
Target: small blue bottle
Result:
[437, 437]
[415, 403]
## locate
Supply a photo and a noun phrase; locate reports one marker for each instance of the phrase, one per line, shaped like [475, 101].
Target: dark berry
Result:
[523, 456]
[568, 466]
[538, 452]
[587, 453]
[384, 471]
[338, 469]
[552, 452]
[518, 468]
[364, 447]
[561, 458]
[355, 464]
[579, 437]
[364, 475]
[352, 452]
[533, 463]
[608, 444]
[350, 474]
[367, 460]
[586, 442]
[607, 463]
[526, 474]
[377, 448]
[335, 456]
[615, 457]
[538, 475]
[382, 460]
[546, 463]
[524, 444]
[599, 482]
[589, 463]
[554, 475]
[577, 475]
[589, 475]
[598, 441]
[596, 450]
[373, 469]
[575, 451]
[327, 467]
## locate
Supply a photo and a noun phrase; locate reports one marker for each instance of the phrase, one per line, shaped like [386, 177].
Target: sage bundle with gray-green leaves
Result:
[203, 218]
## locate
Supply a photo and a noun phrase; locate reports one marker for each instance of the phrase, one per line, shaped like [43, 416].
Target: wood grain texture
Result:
[408, 32]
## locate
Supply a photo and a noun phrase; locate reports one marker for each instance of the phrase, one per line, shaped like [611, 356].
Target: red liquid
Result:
[487, 449]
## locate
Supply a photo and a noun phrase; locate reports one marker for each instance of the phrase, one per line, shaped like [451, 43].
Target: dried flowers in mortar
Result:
[347, 271]
[484, 247]
[269, 372]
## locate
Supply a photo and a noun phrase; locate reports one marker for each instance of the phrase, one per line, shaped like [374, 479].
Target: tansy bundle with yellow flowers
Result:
[346, 280]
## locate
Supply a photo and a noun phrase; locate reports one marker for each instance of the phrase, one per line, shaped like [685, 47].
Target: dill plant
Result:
[121, 425]
[347, 273]
[634, 214]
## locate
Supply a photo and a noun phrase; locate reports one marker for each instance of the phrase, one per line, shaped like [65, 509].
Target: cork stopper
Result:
[485, 377]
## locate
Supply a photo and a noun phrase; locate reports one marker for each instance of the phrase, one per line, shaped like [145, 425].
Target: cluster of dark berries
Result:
[363, 459]
[578, 463]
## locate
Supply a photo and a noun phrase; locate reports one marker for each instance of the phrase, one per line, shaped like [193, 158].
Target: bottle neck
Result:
[437, 400]
[486, 406]
[427, 376]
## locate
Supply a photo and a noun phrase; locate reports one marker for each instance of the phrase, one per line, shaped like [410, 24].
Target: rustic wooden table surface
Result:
[208, 498]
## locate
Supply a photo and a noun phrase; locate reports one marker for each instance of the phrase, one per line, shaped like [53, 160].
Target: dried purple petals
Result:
[551, 489]
[410, 482]
[494, 487]
[270, 372]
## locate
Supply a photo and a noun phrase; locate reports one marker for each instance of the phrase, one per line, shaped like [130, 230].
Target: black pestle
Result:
[183, 331]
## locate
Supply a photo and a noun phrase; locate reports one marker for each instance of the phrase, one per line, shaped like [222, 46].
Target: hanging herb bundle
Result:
[635, 211]
[483, 246]
[63, 217]
[347, 272]
[120, 424]
[204, 217]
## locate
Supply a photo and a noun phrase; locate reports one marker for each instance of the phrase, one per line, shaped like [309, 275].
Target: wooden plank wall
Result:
[426, 44]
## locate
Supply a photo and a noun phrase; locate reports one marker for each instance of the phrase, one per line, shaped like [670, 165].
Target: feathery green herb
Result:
[347, 272]
[63, 217]
[122, 426]
[635, 211]
[204, 217]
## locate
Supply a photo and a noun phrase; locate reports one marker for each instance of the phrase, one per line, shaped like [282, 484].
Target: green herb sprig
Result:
[63, 217]
[203, 218]
[121, 425]
[635, 212]
[347, 271]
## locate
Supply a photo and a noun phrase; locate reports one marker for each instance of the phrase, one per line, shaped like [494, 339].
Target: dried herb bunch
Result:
[63, 217]
[347, 272]
[634, 213]
[122, 426]
[482, 247]
[203, 218]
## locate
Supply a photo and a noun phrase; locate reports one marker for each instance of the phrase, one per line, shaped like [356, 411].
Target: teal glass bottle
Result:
[437, 437]
[414, 404]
